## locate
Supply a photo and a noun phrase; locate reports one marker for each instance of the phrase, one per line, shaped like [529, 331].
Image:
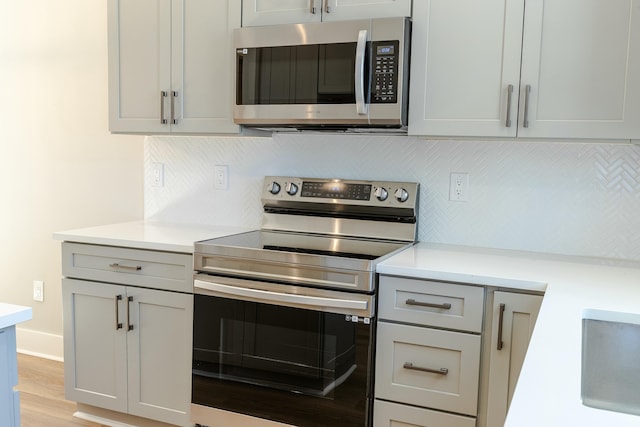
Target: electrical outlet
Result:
[221, 176]
[459, 187]
[157, 174]
[38, 290]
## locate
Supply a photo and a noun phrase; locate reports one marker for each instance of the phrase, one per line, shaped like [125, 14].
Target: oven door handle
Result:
[280, 297]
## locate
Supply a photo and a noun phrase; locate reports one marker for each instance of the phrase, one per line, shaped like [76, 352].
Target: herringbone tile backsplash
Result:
[566, 197]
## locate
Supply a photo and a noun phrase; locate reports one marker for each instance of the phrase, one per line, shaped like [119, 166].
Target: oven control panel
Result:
[340, 191]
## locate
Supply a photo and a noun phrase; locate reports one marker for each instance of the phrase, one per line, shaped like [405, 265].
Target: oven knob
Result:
[401, 195]
[291, 188]
[381, 194]
[274, 188]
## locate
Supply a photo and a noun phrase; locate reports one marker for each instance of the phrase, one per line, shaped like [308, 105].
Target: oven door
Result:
[268, 351]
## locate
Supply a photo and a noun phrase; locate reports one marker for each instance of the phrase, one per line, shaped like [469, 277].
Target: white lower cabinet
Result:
[388, 414]
[513, 318]
[127, 348]
[427, 353]
[448, 354]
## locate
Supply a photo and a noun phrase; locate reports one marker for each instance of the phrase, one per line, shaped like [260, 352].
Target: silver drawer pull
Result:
[117, 266]
[163, 95]
[509, 94]
[444, 306]
[527, 92]
[441, 371]
[118, 324]
[129, 325]
[500, 323]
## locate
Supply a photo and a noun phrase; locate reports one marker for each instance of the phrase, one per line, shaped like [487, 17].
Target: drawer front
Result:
[423, 302]
[137, 267]
[404, 356]
[388, 414]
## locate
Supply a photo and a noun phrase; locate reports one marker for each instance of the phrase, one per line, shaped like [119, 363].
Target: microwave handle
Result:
[361, 105]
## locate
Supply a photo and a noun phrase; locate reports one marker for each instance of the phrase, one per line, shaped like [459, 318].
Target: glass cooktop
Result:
[246, 244]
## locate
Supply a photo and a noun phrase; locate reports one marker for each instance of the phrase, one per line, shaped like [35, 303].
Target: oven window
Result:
[296, 366]
[308, 74]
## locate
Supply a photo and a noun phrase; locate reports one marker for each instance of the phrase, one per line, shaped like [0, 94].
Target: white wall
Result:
[59, 166]
[555, 197]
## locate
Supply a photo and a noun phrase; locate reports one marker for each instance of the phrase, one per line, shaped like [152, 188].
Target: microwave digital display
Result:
[385, 50]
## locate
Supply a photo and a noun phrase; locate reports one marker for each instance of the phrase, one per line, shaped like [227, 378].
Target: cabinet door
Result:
[95, 344]
[159, 349]
[139, 65]
[581, 59]
[203, 63]
[341, 10]
[465, 57]
[270, 12]
[518, 319]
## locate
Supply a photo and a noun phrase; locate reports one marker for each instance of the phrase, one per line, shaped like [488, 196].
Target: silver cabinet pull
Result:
[444, 306]
[312, 6]
[117, 266]
[441, 371]
[174, 95]
[509, 94]
[361, 46]
[327, 8]
[527, 91]
[163, 95]
[500, 322]
[129, 325]
[118, 324]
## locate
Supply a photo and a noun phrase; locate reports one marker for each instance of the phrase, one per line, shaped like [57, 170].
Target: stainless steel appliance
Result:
[284, 317]
[324, 74]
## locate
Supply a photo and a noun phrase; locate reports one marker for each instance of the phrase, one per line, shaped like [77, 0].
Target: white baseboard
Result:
[40, 344]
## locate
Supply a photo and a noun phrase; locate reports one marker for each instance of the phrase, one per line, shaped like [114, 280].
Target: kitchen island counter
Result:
[548, 390]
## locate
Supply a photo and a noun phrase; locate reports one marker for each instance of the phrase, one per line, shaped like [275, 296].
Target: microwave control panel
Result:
[385, 58]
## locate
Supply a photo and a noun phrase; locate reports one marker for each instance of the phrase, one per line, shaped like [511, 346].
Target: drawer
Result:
[405, 353]
[137, 267]
[439, 304]
[388, 414]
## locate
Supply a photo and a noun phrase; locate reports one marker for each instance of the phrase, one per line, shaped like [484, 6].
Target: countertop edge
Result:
[11, 314]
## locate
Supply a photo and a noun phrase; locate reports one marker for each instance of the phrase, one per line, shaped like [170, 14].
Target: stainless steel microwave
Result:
[349, 74]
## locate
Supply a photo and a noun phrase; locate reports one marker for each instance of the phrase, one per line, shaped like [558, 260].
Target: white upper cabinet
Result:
[573, 66]
[271, 12]
[465, 55]
[170, 66]
[581, 59]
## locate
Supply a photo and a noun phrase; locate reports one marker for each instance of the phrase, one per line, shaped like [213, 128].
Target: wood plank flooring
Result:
[42, 402]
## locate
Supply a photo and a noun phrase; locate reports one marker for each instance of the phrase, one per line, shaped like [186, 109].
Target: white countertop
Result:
[12, 314]
[548, 391]
[160, 236]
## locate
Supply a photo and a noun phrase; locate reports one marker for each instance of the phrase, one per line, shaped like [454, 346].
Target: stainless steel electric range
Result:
[284, 316]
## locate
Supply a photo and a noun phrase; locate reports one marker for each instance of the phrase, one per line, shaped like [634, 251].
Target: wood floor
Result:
[42, 403]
